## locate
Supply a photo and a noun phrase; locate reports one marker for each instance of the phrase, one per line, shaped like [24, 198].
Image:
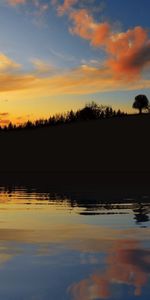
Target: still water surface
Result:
[54, 249]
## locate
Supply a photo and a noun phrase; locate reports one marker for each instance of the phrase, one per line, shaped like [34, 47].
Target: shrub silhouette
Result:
[89, 112]
[141, 102]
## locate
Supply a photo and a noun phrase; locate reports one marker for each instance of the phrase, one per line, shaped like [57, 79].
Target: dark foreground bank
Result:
[109, 145]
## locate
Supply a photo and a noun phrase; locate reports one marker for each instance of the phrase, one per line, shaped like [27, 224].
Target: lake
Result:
[61, 247]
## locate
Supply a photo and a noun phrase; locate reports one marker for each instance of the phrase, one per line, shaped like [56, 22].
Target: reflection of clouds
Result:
[7, 252]
[88, 240]
[82, 237]
[4, 258]
[88, 259]
[126, 263]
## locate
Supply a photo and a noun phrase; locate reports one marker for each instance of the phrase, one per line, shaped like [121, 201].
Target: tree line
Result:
[91, 111]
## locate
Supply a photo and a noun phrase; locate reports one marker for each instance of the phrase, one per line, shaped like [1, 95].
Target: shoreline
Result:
[82, 186]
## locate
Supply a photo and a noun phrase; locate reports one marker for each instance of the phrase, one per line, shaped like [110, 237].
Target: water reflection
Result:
[22, 198]
[141, 213]
[59, 246]
[126, 263]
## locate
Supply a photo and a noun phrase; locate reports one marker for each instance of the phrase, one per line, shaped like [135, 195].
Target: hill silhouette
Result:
[91, 111]
[102, 145]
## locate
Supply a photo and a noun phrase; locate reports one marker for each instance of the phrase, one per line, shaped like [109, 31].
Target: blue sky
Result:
[57, 55]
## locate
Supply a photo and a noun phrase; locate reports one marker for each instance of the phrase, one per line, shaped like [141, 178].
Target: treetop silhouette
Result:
[141, 102]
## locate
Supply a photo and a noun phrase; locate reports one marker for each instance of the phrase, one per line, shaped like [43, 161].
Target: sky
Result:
[59, 55]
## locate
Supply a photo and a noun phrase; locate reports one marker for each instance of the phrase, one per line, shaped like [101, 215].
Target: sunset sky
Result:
[58, 55]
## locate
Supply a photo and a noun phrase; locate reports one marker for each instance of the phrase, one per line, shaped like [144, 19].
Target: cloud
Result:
[88, 79]
[65, 7]
[62, 56]
[46, 80]
[4, 122]
[13, 82]
[85, 26]
[4, 114]
[8, 65]
[42, 67]
[41, 8]
[16, 2]
[5, 257]
[128, 53]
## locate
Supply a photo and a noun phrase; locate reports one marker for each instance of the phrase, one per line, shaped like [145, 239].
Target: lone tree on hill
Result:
[141, 102]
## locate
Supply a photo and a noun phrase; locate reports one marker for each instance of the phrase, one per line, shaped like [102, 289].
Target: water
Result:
[58, 248]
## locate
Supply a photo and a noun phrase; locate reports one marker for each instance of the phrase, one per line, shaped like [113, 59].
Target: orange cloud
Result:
[13, 82]
[128, 52]
[86, 79]
[4, 122]
[42, 67]
[4, 114]
[7, 65]
[85, 26]
[11, 75]
[65, 7]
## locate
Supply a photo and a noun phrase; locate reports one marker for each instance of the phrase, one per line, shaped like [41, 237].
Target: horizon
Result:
[59, 55]
[105, 112]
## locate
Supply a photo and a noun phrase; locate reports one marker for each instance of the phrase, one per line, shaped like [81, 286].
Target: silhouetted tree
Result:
[141, 102]
[71, 116]
[10, 126]
[90, 112]
[108, 112]
[118, 113]
[28, 125]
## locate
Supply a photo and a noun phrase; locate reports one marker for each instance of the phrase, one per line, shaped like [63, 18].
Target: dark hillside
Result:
[110, 145]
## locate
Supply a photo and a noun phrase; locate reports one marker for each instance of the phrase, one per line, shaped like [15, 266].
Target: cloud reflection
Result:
[126, 263]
